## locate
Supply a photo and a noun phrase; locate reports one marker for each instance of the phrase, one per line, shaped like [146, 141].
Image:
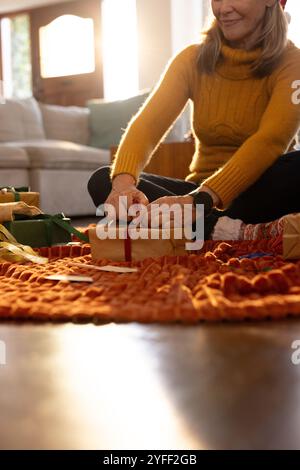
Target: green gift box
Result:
[43, 230]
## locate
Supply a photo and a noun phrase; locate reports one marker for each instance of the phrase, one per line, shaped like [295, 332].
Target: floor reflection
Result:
[149, 386]
[116, 391]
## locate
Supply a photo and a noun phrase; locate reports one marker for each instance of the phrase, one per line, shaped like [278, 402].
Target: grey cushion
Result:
[59, 154]
[20, 120]
[69, 123]
[109, 119]
[13, 157]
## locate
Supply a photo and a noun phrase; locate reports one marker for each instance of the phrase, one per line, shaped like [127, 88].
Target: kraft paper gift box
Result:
[43, 230]
[291, 237]
[19, 194]
[128, 249]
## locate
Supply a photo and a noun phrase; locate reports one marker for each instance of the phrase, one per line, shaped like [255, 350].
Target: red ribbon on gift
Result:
[127, 247]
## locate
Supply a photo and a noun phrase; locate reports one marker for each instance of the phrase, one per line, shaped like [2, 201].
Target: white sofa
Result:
[47, 148]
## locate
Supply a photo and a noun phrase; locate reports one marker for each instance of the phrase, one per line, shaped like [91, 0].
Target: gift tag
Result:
[117, 269]
[111, 269]
[67, 278]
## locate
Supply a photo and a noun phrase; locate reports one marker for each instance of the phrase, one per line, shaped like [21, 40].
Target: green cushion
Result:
[109, 119]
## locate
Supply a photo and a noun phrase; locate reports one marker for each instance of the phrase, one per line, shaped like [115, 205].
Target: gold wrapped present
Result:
[19, 194]
[291, 237]
[121, 244]
[8, 210]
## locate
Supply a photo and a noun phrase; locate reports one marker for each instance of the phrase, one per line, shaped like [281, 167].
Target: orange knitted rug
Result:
[216, 284]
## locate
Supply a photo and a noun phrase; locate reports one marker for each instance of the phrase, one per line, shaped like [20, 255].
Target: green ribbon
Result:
[69, 228]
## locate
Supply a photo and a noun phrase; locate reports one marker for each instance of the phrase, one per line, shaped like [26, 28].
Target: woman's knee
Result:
[292, 156]
[100, 175]
[286, 164]
[99, 184]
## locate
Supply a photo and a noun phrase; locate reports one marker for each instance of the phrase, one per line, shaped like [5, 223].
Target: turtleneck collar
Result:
[236, 63]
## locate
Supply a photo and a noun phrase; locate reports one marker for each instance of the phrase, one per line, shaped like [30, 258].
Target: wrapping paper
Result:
[291, 237]
[13, 195]
[8, 210]
[128, 250]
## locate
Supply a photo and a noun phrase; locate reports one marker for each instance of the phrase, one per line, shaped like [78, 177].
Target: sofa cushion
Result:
[69, 123]
[13, 157]
[20, 120]
[109, 119]
[59, 154]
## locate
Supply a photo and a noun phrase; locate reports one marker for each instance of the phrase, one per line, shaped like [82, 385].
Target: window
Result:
[67, 47]
[16, 57]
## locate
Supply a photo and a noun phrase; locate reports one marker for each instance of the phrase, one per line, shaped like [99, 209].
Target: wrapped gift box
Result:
[291, 237]
[20, 194]
[42, 230]
[128, 249]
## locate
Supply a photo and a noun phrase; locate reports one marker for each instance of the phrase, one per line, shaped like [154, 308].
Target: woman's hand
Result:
[124, 185]
[154, 215]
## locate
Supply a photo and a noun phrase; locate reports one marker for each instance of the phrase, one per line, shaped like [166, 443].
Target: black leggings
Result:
[275, 193]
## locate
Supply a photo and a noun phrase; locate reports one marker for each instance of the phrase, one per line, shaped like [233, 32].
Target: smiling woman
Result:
[239, 79]
[241, 27]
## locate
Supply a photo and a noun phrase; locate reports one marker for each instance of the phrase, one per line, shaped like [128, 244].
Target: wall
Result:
[187, 19]
[164, 28]
[154, 39]
[8, 6]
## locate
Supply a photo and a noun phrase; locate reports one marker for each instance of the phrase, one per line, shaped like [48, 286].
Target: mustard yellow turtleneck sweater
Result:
[241, 124]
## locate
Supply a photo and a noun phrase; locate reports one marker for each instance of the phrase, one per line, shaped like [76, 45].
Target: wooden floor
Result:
[149, 386]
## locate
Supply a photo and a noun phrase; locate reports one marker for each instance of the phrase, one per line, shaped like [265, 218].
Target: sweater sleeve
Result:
[278, 127]
[147, 128]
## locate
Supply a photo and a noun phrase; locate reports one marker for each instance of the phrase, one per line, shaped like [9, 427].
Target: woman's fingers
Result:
[141, 198]
[122, 201]
[157, 214]
[169, 211]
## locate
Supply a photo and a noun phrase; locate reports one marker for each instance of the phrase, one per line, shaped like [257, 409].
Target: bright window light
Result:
[67, 47]
[16, 57]
[6, 58]
[293, 8]
[120, 51]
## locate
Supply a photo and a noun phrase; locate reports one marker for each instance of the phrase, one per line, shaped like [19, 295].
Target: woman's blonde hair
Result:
[273, 41]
